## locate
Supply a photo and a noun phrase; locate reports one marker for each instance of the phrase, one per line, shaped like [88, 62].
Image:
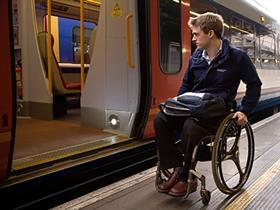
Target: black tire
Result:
[229, 129]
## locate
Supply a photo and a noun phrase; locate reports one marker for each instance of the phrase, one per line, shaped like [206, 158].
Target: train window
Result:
[77, 44]
[278, 50]
[170, 36]
[226, 30]
[243, 36]
[68, 30]
[267, 49]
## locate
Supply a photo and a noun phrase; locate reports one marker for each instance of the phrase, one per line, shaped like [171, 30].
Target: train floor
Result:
[260, 192]
[39, 141]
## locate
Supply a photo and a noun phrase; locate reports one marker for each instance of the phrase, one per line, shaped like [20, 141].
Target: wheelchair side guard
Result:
[230, 131]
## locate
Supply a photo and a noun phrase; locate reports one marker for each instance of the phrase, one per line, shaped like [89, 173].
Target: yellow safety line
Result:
[49, 45]
[244, 199]
[82, 43]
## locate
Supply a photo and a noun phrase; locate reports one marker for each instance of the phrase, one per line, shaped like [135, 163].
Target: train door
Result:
[109, 101]
[170, 50]
[115, 72]
[7, 115]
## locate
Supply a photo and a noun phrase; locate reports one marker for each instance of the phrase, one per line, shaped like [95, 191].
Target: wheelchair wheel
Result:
[230, 140]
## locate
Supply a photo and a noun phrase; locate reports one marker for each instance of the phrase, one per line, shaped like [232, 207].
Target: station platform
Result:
[260, 192]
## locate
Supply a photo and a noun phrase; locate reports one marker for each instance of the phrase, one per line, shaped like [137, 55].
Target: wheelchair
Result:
[224, 145]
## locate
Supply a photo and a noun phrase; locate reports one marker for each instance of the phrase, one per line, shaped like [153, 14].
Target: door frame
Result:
[8, 128]
[145, 69]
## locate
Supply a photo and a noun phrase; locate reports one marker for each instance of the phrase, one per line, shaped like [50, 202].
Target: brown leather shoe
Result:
[179, 189]
[165, 186]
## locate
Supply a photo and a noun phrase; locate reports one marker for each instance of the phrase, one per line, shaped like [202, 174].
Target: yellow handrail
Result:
[128, 42]
[49, 45]
[82, 43]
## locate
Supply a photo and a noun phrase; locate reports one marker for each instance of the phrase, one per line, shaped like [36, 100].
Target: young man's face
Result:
[201, 39]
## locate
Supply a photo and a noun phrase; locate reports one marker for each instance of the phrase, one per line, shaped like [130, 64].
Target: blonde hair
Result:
[207, 22]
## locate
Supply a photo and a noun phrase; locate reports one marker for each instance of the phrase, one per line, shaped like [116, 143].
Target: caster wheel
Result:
[205, 196]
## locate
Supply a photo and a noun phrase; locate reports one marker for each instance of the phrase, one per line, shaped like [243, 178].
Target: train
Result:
[70, 92]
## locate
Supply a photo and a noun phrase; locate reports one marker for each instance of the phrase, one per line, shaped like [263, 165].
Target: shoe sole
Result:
[176, 194]
[193, 189]
[162, 191]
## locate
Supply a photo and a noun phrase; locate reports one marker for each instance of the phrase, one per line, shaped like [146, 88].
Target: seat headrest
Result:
[44, 34]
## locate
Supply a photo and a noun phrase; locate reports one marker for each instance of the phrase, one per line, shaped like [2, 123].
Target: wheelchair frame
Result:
[218, 147]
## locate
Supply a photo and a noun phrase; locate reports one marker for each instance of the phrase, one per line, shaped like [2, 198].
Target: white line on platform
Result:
[265, 121]
[107, 191]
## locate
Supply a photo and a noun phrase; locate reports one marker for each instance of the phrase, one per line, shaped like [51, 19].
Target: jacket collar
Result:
[221, 58]
[206, 56]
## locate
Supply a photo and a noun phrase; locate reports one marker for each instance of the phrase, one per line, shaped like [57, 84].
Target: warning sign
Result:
[117, 11]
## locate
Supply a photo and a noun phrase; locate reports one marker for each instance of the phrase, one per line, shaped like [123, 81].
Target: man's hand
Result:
[240, 117]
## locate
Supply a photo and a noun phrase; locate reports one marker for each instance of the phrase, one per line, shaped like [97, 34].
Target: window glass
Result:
[77, 44]
[243, 36]
[170, 36]
[267, 49]
[278, 51]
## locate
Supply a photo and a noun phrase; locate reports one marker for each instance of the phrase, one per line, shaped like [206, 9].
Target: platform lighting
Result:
[93, 2]
[262, 19]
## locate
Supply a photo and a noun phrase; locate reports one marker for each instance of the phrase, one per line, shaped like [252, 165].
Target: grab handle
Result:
[128, 41]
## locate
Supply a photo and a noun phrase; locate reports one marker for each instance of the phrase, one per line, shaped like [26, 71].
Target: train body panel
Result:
[170, 52]
[7, 93]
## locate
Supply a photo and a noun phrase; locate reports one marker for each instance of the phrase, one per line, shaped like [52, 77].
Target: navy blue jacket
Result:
[223, 75]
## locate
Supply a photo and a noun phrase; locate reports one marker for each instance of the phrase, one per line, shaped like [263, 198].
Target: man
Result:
[215, 67]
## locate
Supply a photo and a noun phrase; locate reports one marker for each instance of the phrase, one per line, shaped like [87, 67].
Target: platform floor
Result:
[260, 192]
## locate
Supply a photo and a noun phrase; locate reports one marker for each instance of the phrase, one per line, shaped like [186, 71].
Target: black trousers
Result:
[168, 129]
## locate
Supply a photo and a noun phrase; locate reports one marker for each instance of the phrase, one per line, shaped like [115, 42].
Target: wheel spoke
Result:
[233, 151]
[236, 160]
[235, 145]
[229, 156]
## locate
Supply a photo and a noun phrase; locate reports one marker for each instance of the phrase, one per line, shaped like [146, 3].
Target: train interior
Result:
[74, 112]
